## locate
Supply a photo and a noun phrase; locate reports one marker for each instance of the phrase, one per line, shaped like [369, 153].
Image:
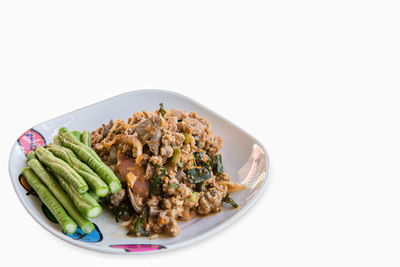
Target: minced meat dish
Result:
[170, 167]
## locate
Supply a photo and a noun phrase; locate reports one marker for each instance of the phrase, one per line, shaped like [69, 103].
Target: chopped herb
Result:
[176, 156]
[229, 200]
[197, 138]
[156, 165]
[173, 186]
[146, 214]
[202, 159]
[139, 227]
[202, 170]
[121, 211]
[156, 180]
[188, 138]
[162, 110]
[154, 185]
[198, 156]
[198, 175]
[200, 187]
[218, 167]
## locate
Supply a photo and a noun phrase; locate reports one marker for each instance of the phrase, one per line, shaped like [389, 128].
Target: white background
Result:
[316, 82]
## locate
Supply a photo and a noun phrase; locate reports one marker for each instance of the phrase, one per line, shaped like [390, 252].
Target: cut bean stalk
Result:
[56, 140]
[31, 155]
[86, 138]
[94, 195]
[77, 134]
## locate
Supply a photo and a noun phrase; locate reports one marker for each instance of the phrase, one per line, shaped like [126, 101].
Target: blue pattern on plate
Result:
[93, 237]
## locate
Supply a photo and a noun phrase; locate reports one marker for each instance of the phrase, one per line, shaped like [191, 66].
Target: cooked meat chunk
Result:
[138, 117]
[191, 126]
[149, 132]
[98, 135]
[211, 201]
[134, 143]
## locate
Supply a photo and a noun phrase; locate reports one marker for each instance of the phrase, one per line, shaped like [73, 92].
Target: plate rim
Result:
[185, 243]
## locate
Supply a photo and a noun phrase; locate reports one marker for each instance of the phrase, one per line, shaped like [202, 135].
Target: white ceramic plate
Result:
[245, 160]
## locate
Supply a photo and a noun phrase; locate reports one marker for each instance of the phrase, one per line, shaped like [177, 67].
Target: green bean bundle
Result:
[89, 156]
[67, 224]
[92, 179]
[62, 168]
[85, 203]
[51, 183]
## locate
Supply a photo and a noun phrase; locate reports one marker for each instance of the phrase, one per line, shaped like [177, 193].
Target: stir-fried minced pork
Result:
[170, 167]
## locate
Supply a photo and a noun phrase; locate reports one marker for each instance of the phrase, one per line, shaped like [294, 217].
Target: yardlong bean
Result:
[31, 155]
[77, 134]
[85, 138]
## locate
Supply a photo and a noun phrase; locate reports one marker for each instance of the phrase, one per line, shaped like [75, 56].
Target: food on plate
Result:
[170, 167]
[152, 171]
